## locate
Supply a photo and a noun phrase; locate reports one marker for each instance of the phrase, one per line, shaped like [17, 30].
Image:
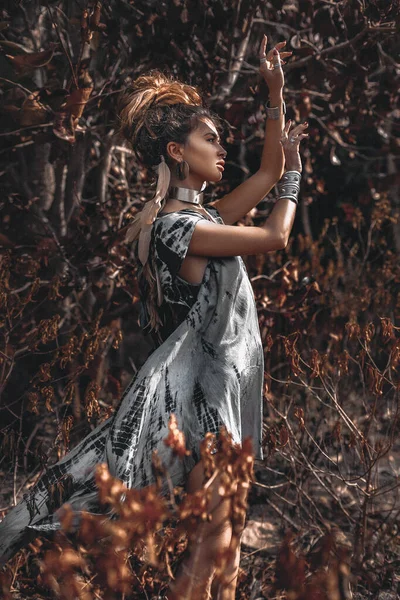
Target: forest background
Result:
[328, 304]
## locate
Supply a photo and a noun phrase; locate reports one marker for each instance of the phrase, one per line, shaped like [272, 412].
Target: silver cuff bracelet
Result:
[289, 186]
[275, 111]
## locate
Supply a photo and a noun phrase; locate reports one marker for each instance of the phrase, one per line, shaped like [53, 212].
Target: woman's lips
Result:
[220, 166]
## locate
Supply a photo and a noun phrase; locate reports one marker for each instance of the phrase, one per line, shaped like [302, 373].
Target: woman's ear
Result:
[175, 151]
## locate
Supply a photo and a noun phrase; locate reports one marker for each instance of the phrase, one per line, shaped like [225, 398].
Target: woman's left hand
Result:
[290, 140]
[271, 65]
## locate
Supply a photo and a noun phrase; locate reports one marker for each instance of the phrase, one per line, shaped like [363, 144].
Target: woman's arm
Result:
[210, 239]
[246, 196]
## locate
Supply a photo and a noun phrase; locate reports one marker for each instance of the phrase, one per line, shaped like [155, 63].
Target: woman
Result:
[198, 302]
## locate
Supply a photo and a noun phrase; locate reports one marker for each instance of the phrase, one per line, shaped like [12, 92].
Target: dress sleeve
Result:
[214, 212]
[172, 235]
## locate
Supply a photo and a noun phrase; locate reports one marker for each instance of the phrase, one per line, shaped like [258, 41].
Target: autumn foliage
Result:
[328, 304]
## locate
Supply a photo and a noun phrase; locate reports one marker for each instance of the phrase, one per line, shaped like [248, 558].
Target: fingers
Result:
[292, 135]
[270, 56]
[287, 126]
[282, 55]
[296, 128]
[299, 129]
[276, 58]
[263, 46]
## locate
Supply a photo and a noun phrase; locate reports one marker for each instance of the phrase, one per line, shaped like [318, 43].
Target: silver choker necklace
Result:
[186, 195]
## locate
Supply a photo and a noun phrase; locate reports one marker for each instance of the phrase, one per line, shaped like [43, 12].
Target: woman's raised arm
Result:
[210, 239]
[247, 195]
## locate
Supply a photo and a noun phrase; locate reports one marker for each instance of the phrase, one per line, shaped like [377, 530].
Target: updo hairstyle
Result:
[157, 109]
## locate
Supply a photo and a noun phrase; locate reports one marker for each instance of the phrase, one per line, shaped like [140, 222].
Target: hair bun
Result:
[166, 90]
[149, 91]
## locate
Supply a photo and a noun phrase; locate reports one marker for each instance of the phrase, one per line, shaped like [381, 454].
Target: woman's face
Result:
[204, 153]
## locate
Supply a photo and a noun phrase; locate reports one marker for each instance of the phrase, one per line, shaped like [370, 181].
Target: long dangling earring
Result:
[182, 170]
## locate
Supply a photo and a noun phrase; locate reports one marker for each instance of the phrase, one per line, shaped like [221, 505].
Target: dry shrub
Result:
[132, 549]
[330, 327]
[323, 575]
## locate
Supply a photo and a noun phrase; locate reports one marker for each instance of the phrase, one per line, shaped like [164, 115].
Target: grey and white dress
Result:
[207, 370]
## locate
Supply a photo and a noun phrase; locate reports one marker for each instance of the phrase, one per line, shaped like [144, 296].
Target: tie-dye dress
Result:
[207, 370]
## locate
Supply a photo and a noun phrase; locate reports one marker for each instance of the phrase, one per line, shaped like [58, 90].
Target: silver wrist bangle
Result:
[289, 186]
[274, 112]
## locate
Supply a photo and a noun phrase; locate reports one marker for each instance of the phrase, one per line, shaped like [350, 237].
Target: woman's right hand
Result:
[271, 65]
[290, 140]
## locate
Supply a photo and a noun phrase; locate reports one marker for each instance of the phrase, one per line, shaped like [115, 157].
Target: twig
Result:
[75, 178]
[338, 140]
[62, 45]
[271, 487]
[305, 219]
[40, 214]
[110, 79]
[28, 443]
[16, 456]
[105, 167]
[29, 92]
[303, 61]
[313, 470]
[361, 527]
[276, 26]
[18, 131]
[235, 64]
[12, 148]
[28, 28]
[16, 570]
[387, 56]
[123, 149]
[324, 96]
[27, 285]
[282, 514]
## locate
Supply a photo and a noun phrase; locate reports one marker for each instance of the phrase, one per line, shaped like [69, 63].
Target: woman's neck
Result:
[174, 205]
[192, 182]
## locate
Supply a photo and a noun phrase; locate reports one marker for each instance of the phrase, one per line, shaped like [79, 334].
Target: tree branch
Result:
[303, 61]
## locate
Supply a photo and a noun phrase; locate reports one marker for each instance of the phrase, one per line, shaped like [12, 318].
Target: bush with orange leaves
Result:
[131, 549]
